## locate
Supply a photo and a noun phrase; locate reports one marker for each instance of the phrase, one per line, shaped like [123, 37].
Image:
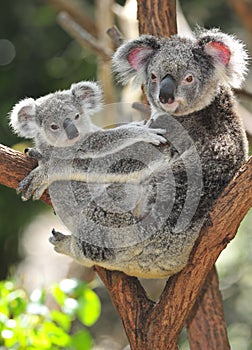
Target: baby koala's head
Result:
[59, 119]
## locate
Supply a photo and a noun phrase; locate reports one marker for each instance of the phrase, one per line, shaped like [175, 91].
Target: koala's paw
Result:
[155, 137]
[33, 185]
[33, 153]
[62, 243]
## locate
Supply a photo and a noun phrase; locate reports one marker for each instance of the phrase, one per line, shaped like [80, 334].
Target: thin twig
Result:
[116, 36]
[142, 108]
[83, 37]
[243, 93]
[77, 13]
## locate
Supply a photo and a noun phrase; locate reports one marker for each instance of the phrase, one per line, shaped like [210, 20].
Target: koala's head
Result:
[182, 75]
[58, 119]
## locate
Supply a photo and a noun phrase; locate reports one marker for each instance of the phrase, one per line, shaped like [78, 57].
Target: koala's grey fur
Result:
[182, 179]
[61, 127]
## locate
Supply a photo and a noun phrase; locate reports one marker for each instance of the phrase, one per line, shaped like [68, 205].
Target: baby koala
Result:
[60, 125]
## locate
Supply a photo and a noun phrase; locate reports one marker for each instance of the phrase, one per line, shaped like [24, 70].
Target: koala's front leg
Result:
[34, 184]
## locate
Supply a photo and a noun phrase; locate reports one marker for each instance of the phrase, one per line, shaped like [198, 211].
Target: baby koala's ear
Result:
[89, 95]
[23, 118]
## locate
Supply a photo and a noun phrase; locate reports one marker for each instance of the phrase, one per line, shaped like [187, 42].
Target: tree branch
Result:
[15, 166]
[206, 323]
[77, 13]
[131, 302]
[105, 20]
[116, 36]
[83, 37]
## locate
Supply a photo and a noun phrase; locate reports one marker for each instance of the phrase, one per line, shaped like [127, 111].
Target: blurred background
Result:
[40, 52]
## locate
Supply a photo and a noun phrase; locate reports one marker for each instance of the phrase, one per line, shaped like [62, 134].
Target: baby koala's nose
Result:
[70, 129]
[167, 89]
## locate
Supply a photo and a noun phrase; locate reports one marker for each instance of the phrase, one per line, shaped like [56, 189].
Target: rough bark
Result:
[14, 166]
[157, 17]
[206, 329]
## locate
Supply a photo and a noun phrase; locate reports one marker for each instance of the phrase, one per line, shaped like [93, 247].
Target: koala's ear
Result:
[132, 58]
[23, 118]
[227, 54]
[88, 95]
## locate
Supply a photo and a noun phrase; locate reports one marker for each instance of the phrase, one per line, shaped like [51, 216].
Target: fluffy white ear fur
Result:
[89, 96]
[23, 118]
[132, 57]
[229, 56]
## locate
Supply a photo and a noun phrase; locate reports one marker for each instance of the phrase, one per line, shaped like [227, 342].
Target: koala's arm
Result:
[77, 169]
[104, 142]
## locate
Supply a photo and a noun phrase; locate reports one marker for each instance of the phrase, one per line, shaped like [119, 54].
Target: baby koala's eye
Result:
[153, 78]
[54, 127]
[188, 79]
[77, 117]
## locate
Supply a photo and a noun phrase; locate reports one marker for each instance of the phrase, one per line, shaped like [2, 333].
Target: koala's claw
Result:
[33, 153]
[156, 136]
[24, 184]
[56, 236]
[38, 192]
[60, 241]
[33, 185]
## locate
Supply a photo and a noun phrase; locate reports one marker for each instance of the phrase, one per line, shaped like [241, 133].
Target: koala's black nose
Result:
[167, 89]
[70, 129]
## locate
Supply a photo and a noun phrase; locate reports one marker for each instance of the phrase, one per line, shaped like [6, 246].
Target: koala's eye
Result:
[54, 127]
[188, 79]
[153, 78]
[77, 117]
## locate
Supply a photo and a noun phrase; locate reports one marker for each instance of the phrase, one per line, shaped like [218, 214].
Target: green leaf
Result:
[58, 294]
[81, 340]
[61, 319]
[89, 307]
[56, 334]
[39, 339]
[17, 301]
[3, 318]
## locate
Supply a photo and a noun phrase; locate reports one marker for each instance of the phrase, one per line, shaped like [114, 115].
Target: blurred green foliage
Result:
[27, 323]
